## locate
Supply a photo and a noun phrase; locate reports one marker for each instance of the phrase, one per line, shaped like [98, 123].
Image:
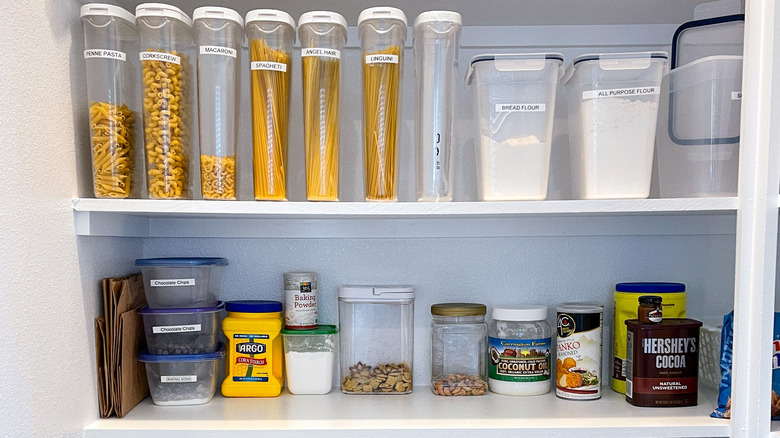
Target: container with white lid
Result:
[219, 33]
[519, 350]
[377, 339]
[111, 58]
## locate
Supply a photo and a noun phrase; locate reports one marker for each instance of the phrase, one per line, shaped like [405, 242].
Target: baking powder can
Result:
[578, 367]
[300, 299]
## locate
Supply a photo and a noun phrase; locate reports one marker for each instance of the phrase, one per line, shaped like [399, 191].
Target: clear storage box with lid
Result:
[182, 331]
[187, 379]
[182, 282]
[310, 358]
[377, 339]
[458, 349]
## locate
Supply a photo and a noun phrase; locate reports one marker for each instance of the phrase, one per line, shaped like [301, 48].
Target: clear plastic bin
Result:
[271, 35]
[189, 379]
[182, 331]
[514, 98]
[322, 35]
[698, 128]
[219, 33]
[168, 54]
[382, 32]
[111, 56]
[436, 43]
[309, 359]
[377, 339]
[613, 107]
[182, 282]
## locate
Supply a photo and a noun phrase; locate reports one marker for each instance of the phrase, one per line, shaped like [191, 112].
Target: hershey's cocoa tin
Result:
[578, 367]
[300, 300]
[662, 368]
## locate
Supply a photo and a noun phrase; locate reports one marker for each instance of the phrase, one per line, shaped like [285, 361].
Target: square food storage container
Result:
[182, 282]
[309, 359]
[514, 98]
[189, 379]
[613, 107]
[377, 339]
[182, 331]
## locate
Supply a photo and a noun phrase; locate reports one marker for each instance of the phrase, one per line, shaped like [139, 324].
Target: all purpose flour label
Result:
[621, 92]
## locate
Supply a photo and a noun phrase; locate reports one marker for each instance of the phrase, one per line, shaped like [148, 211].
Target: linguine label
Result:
[381, 59]
[109, 54]
[317, 51]
[159, 56]
[265, 65]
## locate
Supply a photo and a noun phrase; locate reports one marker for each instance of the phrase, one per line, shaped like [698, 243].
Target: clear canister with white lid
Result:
[168, 53]
[219, 33]
[376, 339]
[459, 349]
[110, 55]
[271, 35]
[322, 35]
[382, 32]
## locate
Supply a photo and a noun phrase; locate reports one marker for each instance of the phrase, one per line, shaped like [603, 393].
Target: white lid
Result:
[161, 10]
[272, 15]
[322, 17]
[432, 16]
[522, 312]
[376, 293]
[382, 12]
[217, 12]
[104, 10]
[580, 308]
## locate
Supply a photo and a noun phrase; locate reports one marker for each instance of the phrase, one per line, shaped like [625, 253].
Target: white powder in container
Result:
[309, 372]
[515, 169]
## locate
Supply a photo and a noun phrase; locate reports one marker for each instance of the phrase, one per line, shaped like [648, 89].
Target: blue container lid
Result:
[156, 358]
[650, 287]
[253, 306]
[182, 261]
[145, 310]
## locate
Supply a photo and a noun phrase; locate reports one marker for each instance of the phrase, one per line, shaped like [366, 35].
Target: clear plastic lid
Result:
[162, 10]
[382, 12]
[710, 37]
[516, 62]
[217, 12]
[438, 16]
[376, 293]
[104, 10]
[322, 17]
[182, 261]
[272, 15]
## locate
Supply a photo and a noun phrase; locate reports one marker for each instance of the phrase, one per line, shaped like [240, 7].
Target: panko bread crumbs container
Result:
[254, 353]
[579, 345]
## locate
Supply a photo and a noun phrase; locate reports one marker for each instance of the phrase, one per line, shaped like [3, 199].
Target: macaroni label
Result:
[316, 51]
[174, 282]
[189, 328]
[217, 50]
[108, 54]
[736, 95]
[620, 92]
[519, 360]
[249, 360]
[178, 379]
[520, 107]
[265, 65]
[381, 59]
[159, 56]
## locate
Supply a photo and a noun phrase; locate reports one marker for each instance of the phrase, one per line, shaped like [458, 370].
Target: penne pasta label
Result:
[520, 107]
[316, 51]
[108, 54]
[382, 59]
[266, 65]
[218, 50]
[620, 92]
[160, 56]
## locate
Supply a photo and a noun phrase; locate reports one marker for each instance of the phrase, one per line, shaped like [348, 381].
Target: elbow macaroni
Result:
[218, 177]
[112, 149]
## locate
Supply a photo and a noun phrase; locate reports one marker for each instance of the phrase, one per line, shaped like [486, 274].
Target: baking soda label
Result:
[178, 379]
[316, 51]
[620, 92]
[218, 50]
[578, 366]
[265, 65]
[251, 361]
[173, 282]
[519, 360]
[108, 54]
[159, 56]
[520, 107]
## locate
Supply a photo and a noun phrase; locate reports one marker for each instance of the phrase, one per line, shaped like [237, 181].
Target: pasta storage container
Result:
[188, 379]
[182, 331]
[271, 35]
[168, 54]
[179, 282]
[613, 107]
[322, 35]
[110, 55]
[309, 359]
[377, 339]
[219, 33]
[436, 42]
[382, 32]
[514, 99]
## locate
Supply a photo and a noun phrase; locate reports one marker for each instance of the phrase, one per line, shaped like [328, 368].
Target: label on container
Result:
[178, 379]
[519, 360]
[108, 54]
[265, 65]
[520, 107]
[188, 328]
[160, 56]
[173, 282]
[248, 358]
[736, 95]
[300, 296]
[381, 59]
[317, 51]
[218, 50]
[578, 368]
[620, 92]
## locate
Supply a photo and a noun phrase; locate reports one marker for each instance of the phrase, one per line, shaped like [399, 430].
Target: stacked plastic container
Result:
[181, 324]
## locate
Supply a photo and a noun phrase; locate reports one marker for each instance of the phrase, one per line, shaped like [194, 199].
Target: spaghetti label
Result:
[108, 54]
[217, 50]
[620, 92]
[381, 59]
[265, 65]
[520, 107]
[159, 56]
[317, 51]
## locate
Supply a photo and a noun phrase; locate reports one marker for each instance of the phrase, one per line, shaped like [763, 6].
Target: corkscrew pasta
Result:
[218, 177]
[112, 149]
[321, 127]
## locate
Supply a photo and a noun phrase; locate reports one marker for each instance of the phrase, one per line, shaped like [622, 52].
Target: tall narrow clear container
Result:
[436, 41]
[167, 55]
[111, 51]
[219, 33]
[322, 35]
[382, 32]
[271, 35]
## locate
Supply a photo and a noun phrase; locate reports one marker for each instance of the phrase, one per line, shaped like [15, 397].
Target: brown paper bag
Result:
[132, 386]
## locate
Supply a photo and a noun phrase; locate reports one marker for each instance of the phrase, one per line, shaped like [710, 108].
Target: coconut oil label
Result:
[250, 362]
[519, 360]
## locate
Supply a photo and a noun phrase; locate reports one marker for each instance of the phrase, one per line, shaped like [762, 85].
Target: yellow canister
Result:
[254, 354]
[626, 304]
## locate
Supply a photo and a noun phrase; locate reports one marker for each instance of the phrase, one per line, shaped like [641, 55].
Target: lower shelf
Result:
[422, 412]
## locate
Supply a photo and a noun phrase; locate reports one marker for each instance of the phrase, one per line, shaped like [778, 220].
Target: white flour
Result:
[309, 372]
[515, 169]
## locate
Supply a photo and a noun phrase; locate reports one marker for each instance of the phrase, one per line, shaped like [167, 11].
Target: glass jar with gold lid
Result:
[459, 349]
